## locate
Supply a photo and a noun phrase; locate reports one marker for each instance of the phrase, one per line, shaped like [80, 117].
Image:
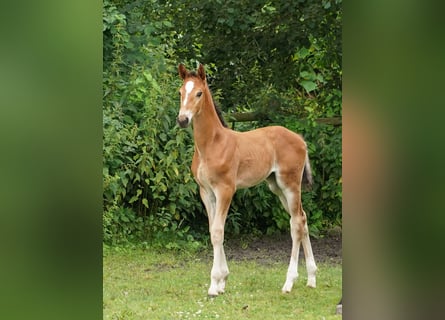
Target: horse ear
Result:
[182, 71]
[201, 72]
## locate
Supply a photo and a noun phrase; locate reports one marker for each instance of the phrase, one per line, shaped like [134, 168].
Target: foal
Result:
[226, 160]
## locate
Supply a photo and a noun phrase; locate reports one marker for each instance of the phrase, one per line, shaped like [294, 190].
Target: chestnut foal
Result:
[226, 160]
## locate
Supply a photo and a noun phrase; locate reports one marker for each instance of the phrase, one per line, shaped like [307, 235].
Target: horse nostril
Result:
[182, 121]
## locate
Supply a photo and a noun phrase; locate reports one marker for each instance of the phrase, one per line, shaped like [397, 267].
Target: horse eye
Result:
[199, 94]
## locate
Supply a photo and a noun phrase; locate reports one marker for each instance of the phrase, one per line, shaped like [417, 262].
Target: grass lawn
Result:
[144, 284]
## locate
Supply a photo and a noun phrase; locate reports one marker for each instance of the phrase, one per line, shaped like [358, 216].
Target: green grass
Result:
[143, 284]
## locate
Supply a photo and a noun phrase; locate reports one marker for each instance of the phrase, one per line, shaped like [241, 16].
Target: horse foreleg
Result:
[209, 200]
[220, 270]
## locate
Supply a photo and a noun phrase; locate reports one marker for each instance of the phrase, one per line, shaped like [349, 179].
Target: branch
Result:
[258, 115]
[335, 121]
[245, 116]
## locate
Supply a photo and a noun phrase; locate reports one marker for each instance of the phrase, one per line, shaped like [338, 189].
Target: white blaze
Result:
[185, 112]
[188, 88]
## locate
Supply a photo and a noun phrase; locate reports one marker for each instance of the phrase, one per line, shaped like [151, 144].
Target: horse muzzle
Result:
[183, 121]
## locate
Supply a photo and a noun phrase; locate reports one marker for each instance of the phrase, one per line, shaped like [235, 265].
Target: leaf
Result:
[145, 202]
[307, 75]
[319, 77]
[326, 4]
[152, 81]
[135, 197]
[148, 29]
[159, 176]
[308, 85]
[302, 53]
[167, 23]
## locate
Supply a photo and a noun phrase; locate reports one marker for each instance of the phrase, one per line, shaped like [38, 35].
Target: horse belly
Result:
[251, 175]
[255, 161]
[247, 183]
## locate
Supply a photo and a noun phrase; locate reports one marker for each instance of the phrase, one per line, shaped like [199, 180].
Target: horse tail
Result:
[307, 172]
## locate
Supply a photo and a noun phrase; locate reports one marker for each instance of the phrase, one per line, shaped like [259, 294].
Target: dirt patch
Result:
[272, 249]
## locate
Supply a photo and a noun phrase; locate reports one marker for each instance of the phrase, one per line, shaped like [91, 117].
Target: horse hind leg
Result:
[273, 186]
[287, 201]
[308, 255]
[292, 270]
[290, 196]
[300, 234]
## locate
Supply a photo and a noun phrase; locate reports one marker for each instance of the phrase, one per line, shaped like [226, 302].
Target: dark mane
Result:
[219, 114]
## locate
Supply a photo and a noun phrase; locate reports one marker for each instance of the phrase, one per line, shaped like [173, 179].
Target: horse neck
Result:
[206, 124]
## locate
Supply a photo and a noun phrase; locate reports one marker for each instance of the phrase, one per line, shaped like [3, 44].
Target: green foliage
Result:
[253, 43]
[318, 99]
[145, 154]
[148, 192]
[283, 58]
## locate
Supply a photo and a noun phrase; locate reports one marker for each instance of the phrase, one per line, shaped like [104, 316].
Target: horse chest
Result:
[208, 173]
[203, 175]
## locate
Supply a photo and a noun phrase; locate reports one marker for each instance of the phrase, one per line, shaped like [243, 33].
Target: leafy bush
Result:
[315, 96]
[149, 195]
[146, 184]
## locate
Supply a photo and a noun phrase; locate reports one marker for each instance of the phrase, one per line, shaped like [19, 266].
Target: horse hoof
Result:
[212, 293]
[339, 309]
[287, 287]
[285, 291]
[311, 283]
